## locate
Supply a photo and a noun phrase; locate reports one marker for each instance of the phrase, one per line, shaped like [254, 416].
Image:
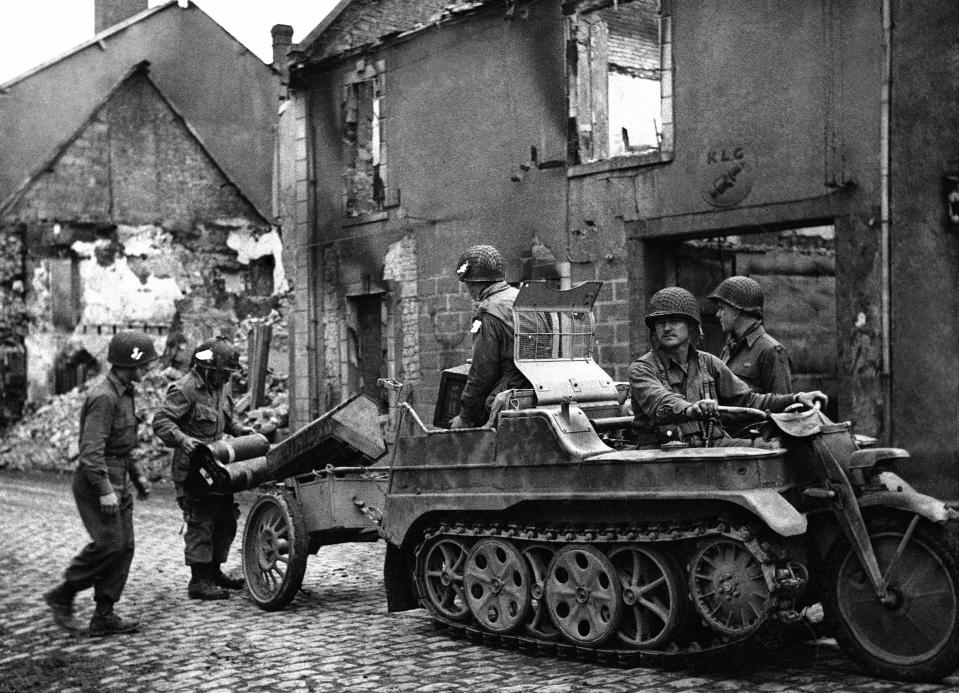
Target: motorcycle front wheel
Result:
[913, 634]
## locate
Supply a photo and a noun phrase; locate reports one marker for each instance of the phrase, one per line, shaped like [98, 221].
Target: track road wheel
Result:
[439, 573]
[275, 549]
[497, 584]
[538, 623]
[583, 595]
[728, 588]
[912, 634]
[654, 596]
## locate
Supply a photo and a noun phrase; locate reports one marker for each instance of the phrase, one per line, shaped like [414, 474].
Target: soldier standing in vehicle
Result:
[198, 408]
[750, 352]
[103, 484]
[492, 369]
[675, 388]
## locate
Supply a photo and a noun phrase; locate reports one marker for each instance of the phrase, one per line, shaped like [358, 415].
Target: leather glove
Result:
[143, 487]
[109, 505]
[702, 409]
[810, 398]
[188, 444]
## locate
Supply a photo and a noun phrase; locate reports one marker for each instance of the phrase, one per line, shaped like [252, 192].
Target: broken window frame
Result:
[364, 181]
[588, 141]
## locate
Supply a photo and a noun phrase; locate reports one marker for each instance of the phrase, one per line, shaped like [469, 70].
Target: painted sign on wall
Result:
[725, 175]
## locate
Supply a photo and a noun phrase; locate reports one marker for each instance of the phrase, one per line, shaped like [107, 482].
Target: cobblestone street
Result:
[335, 636]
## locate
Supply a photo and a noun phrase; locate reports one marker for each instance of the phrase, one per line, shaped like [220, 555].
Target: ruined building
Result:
[645, 143]
[135, 191]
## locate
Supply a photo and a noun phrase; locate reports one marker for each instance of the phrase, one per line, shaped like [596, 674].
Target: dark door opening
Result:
[796, 269]
[370, 351]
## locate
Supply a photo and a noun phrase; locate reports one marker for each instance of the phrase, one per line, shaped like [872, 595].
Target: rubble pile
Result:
[47, 439]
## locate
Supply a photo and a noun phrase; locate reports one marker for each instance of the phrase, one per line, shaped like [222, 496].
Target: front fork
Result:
[839, 492]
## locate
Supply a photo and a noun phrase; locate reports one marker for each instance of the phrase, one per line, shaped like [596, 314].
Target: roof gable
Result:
[194, 62]
[134, 160]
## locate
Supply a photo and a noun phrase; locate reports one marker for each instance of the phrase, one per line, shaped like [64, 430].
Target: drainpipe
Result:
[884, 245]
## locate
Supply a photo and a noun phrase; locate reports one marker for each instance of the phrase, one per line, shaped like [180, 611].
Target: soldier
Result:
[199, 409]
[103, 483]
[750, 352]
[675, 388]
[492, 369]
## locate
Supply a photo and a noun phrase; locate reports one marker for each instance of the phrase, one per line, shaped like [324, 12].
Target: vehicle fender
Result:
[770, 507]
[898, 494]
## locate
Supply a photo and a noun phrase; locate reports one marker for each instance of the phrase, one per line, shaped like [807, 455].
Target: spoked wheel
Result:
[654, 596]
[497, 585]
[583, 594]
[538, 623]
[728, 588]
[275, 549]
[913, 632]
[439, 572]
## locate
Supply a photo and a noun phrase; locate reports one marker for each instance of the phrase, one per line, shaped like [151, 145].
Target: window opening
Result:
[620, 81]
[365, 175]
[259, 276]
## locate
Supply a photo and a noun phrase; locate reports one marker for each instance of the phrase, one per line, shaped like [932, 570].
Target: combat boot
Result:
[201, 584]
[60, 601]
[220, 579]
[108, 623]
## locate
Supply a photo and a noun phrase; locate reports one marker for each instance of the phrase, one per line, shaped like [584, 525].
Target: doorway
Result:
[796, 268]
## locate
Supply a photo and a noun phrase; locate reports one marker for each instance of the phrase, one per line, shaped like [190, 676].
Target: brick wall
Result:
[634, 35]
[611, 346]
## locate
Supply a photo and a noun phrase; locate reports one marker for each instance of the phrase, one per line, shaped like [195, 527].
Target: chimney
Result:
[106, 13]
[282, 40]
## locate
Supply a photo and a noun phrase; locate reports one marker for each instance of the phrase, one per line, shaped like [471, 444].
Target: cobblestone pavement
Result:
[335, 636]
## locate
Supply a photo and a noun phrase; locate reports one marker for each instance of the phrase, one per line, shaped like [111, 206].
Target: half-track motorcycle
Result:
[544, 530]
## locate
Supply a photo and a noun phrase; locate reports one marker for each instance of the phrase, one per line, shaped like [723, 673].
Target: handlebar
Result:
[746, 411]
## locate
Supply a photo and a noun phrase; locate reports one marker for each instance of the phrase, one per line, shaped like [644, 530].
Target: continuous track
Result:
[690, 646]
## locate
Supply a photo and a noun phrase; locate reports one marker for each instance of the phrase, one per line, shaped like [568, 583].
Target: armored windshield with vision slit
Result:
[554, 343]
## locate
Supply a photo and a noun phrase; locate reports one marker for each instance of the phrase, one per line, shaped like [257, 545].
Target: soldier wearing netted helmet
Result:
[103, 482]
[198, 408]
[492, 369]
[750, 352]
[675, 388]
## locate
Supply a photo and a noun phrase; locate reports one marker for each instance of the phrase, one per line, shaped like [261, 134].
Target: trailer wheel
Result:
[275, 549]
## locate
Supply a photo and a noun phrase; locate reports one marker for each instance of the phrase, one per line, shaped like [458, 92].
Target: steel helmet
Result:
[131, 348]
[217, 354]
[673, 300]
[480, 263]
[740, 292]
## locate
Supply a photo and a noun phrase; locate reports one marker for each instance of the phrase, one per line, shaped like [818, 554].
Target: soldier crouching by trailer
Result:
[199, 409]
[675, 388]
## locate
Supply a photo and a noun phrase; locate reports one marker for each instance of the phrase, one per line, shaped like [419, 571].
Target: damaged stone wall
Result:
[332, 315]
[134, 225]
[13, 325]
[399, 268]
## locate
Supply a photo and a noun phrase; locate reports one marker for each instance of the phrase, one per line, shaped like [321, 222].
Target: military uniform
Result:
[661, 390]
[108, 434]
[103, 484]
[759, 361]
[193, 409]
[492, 369]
